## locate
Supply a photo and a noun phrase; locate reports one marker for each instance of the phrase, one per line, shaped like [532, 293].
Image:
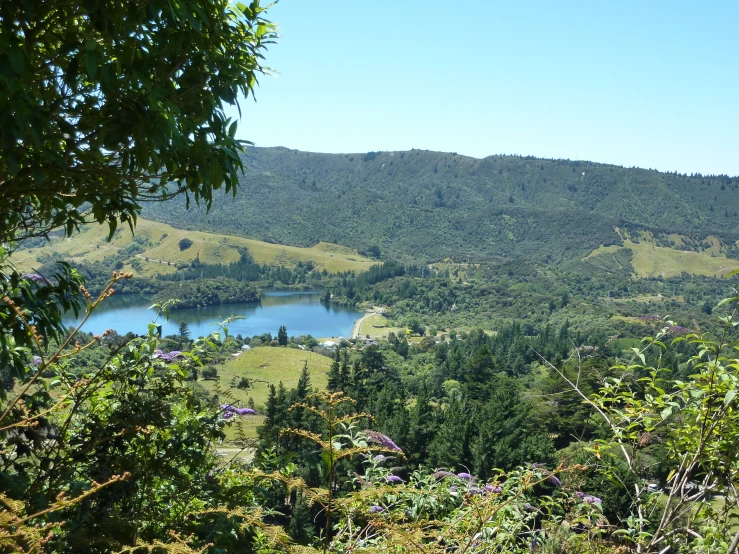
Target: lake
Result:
[302, 313]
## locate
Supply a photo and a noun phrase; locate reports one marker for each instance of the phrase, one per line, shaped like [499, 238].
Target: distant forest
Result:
[430, 205]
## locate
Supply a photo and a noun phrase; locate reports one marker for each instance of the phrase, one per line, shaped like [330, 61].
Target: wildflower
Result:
[475, 490]
[376, 509]
[491, 488]
[393, 479]
[591, 500]
[465, 475]
[170, 356]
[229, 411]
[554, 480]
[439, 475]
[36, 360]
[36, 278]
[382, 440]
[528, 506]
[580, 494]
[380, 458]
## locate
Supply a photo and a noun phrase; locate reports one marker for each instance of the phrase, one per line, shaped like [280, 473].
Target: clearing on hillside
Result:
[649, 260]
[156, 249]
[267, 365]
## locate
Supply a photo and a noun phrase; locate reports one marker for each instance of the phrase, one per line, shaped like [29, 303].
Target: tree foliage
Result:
[109, 104]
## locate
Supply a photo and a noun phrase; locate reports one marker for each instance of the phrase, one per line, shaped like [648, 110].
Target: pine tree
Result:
[345, 374]
[267, 432]
[334, 374]
[282, 336]
[478, 372]
[303, 388]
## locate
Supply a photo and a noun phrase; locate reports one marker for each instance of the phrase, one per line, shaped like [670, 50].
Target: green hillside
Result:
[432, 205]
[155, 249]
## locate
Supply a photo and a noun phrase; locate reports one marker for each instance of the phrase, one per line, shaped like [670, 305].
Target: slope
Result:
[431, 205]
[155, 248]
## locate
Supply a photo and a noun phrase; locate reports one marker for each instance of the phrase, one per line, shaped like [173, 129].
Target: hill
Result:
[155, 248]
[431, 205]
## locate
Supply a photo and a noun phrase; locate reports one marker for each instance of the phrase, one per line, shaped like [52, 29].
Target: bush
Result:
[185, 244]
[210, 372]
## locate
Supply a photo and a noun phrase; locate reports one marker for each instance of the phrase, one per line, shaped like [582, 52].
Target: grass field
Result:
[655, 261]
[267, 366]
[376, 326]
[91, 245]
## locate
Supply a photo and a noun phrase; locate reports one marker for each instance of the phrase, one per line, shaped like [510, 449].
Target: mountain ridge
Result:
[431, 205]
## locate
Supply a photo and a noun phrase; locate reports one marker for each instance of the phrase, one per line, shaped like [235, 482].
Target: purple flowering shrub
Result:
[502, 515]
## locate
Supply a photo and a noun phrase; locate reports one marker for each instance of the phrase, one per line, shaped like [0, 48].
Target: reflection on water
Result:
[302, 313]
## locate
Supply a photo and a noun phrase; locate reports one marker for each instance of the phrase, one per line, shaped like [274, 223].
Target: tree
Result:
[184, 332]
[282, 336]
[185, 244]
[110, 104]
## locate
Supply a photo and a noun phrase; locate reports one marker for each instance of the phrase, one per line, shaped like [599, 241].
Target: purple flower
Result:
[528, 506]
[36, 278]
[393, 479]
[439, 475]
[382, 440]
[36, 360]
[170, 356]
[376, 509]
[379, 458]
[579, 494]
[229, 411]
[491, 488]
[166, 356]
[554, 480]
[592, 500]
[465, 475]
[475, 490]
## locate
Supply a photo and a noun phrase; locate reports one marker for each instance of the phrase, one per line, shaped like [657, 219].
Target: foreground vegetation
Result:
[469, 429]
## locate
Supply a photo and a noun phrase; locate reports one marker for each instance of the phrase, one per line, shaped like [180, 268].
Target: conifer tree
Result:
[334, 374]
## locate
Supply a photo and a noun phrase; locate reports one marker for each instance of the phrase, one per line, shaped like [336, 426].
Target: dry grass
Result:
[91, 245]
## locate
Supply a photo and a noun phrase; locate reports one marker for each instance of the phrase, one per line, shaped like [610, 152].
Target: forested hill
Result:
[433, 205]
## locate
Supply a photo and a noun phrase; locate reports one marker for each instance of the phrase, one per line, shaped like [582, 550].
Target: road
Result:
[358, 323]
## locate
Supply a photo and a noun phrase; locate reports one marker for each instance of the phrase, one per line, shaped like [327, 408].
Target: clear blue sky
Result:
[652, 83]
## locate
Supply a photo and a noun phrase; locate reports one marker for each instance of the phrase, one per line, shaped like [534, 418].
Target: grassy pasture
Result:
[267, 366]
[91, 245]
[376, 326]
[650, 260]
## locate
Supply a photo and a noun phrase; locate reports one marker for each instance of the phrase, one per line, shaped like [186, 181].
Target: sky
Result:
[651, 84]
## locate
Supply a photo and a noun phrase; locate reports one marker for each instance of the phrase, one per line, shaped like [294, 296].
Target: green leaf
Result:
[91, 63]
[729, 397]
[667, 412]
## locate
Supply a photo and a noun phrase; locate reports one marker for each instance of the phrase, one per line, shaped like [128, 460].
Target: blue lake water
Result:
[302, 313]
